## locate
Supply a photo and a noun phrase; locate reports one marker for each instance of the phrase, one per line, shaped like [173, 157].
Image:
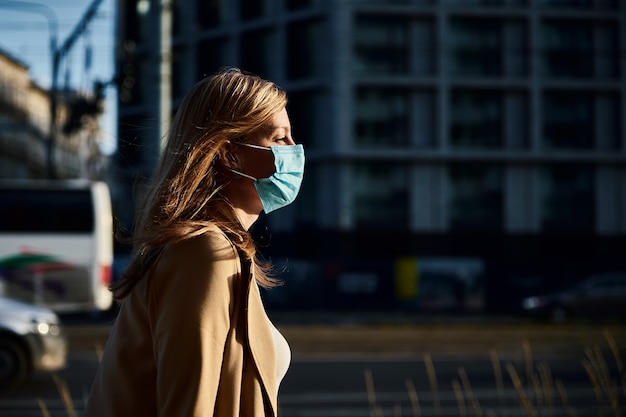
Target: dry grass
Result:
[538, 393]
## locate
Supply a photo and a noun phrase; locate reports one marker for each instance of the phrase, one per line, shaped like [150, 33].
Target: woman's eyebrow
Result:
[274, 128]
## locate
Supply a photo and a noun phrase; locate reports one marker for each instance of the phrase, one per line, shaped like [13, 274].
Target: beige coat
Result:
[192, 340]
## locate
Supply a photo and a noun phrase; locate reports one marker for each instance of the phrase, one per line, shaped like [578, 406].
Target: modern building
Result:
[489, 129]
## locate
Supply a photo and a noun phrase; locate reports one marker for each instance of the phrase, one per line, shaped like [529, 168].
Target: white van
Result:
[56, 243]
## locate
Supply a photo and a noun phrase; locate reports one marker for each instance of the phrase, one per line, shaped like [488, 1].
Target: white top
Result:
[283, 353]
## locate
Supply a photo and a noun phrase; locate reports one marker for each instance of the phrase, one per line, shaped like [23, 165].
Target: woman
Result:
[192, 337]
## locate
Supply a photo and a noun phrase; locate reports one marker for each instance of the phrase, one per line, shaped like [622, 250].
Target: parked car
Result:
[31, 339]
[599, 296]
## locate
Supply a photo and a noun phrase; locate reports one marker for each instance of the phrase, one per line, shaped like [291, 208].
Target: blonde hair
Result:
[183, 199]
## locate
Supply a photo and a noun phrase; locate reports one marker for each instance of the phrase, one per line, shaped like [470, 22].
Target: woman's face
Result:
[259, 163]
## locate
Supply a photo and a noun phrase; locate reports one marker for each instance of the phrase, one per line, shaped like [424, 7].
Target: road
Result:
[398, 370]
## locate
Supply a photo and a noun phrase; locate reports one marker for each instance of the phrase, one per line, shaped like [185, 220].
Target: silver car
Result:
[31, 339]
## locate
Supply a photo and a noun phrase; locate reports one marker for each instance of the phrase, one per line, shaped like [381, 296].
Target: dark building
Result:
[472, 129]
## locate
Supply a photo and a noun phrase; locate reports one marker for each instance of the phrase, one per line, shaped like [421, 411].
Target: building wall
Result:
[25, 131]
[479, 127]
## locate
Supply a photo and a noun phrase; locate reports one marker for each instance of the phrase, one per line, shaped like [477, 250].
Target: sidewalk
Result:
[376, 334]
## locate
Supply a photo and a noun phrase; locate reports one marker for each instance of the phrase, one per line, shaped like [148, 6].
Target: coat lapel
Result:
[261, 343]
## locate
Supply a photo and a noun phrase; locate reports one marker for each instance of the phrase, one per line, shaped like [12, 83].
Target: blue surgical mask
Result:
[282, 187]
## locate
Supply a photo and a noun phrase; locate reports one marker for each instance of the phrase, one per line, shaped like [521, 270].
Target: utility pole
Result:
[165, 70]
[56, 62]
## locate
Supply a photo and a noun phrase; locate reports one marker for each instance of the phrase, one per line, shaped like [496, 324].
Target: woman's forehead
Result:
[278, 122]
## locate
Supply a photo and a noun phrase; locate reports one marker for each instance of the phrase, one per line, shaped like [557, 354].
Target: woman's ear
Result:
[227, 157]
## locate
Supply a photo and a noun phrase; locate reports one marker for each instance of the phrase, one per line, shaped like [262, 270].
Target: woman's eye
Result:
[283, 139]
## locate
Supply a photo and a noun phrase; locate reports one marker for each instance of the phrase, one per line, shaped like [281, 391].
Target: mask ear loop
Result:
[242, 174]
[250, 145]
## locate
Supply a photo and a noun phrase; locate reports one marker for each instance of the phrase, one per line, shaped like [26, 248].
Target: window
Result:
[46, 210]
[475, 196]
[380, 198]
[581, 49]
[381, 45]
[306, 112]
[293, 5]
[568, 198]
[256, 52]
[307, 213]
[211, 13]
[599, 4]
[178, 69]
[476, 119]
[475, 47]
[425, 42]
[568, 120]
[211, 56]
[487, 2]
[304, 49]
[382, 117]
[253, 9]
